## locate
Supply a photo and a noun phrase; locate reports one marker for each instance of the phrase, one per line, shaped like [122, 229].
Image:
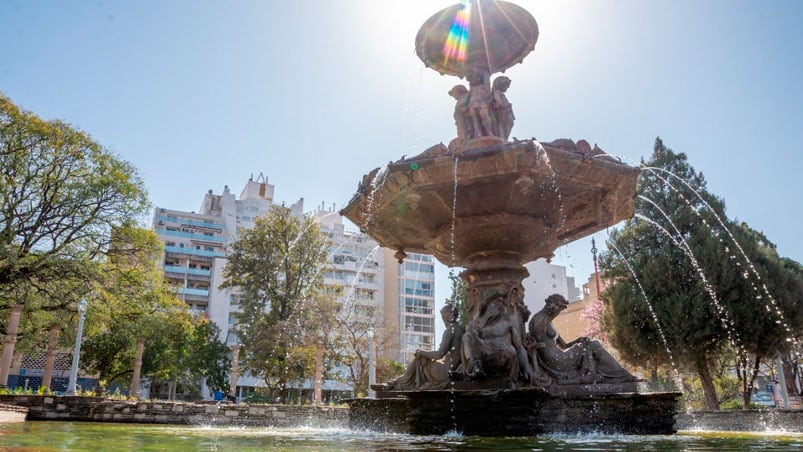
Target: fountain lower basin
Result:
[517, 412]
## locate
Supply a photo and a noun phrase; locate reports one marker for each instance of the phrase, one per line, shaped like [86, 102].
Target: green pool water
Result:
[78, 436]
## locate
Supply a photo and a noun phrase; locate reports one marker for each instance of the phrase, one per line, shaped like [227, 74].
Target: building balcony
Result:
[188, 221]
[187, 271]
[195, 292]
[193, 251]
[352, 268]
[190, 235]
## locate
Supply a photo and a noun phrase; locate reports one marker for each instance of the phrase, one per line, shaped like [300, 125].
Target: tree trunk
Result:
[50, 356]
[317, 382]
[750, 383]
[9, 341]
[235, 371]
[135, 378]
[711, 401]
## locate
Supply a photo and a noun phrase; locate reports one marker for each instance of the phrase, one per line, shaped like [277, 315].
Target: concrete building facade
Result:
[571, 323]
[409, 304]
[196, 246]
[362, 276]
[546, 279]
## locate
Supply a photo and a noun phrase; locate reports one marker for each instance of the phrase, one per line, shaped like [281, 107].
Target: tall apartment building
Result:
[196, 246]
[409, 304]
[195, 256]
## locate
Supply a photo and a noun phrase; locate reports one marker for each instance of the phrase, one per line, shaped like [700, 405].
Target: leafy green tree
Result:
[768, 315]
[61, 194]
[207, 356]
[134, 303]
[696, 301]
[276, 270]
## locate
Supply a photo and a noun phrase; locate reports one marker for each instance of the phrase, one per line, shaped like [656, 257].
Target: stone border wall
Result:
[97, 409]
[770, 420]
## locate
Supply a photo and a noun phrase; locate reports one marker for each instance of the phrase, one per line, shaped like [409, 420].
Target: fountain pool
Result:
[84, 436]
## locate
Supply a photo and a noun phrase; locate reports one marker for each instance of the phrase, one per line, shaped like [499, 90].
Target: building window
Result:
[417, 306]
[420, 324]
[420, 288]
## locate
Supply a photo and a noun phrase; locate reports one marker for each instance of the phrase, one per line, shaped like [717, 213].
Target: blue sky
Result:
[314, 94]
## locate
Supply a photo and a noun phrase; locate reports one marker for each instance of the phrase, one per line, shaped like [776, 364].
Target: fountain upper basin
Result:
[502, 205]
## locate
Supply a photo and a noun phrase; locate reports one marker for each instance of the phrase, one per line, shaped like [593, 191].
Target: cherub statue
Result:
[503, 109]
[462, 119]
[479, 103]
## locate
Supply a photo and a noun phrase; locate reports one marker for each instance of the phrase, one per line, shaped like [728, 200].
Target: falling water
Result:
[775, 308]
[316, 221]
[555, 187]
[652, 313]
[352, 289]
[724, 316]
[376, 184]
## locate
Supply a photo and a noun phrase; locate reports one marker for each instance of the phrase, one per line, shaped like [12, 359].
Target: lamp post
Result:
[371, 364]
[77, 352]
[596, 270]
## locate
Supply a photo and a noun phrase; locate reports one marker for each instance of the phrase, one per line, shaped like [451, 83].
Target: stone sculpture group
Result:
[496, 346]
[482, 110]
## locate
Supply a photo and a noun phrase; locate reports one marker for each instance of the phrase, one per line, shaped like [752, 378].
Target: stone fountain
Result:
[491, 205]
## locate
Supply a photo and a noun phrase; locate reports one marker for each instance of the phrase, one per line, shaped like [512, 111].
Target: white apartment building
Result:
[546, 279]
[196, 245]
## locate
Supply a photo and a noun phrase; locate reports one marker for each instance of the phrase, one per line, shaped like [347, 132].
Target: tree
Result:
[134, 303]
[351, 341]
[61, 194]
[459, 297]
[276, 269]
[768, 315]
[694, 303]
[207, 356]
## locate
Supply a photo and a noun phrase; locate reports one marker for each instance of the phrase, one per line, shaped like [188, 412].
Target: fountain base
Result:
[517, 412]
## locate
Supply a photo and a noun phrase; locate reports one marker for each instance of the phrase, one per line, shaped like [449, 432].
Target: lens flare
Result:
[457, 40]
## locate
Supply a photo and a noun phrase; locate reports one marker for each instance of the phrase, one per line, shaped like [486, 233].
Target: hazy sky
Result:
[314, 94]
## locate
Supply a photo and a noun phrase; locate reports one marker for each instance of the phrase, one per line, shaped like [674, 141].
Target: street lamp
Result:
[371, 364]
[77, 352]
